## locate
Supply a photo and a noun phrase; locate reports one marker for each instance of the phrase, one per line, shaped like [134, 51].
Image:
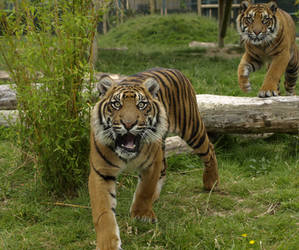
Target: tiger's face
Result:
[128, 116]
[257, 23]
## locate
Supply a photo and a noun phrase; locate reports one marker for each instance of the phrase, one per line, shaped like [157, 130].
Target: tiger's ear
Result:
[104, 84]
[273, 6]
[244, 5]
[152, 86]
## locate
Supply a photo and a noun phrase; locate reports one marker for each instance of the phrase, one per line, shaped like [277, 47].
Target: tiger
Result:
[269, 35]
[128, 129]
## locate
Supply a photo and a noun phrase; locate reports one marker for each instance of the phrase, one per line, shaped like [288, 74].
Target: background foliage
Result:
[46, 48]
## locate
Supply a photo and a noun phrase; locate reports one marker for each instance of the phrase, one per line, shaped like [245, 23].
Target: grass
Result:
[258, 195]
[166, 31]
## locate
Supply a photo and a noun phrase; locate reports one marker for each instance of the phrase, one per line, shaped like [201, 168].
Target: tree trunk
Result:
[221, 6]
[199, 7]
[224, 10]
[152, 4]
[105, 25]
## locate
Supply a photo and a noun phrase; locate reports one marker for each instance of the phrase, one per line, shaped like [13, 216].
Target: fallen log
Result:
[4, 76]
[175, 145]
[8, 96]
[221, 114]
[8, 99]
[244, 115]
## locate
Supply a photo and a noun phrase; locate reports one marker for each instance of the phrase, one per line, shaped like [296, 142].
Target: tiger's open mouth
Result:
[257, 39]
[128, 142]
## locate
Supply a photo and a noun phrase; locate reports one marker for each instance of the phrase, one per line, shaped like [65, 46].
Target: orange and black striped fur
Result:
[269, 35]
[128, 128]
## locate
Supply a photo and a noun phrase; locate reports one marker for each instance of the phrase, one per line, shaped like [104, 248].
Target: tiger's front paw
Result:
[109, 242]
[267, 93]
[107, 233]
[145, 215]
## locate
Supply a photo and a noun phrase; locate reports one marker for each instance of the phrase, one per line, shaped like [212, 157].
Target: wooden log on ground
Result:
[4, 76]
[245, 115]
[7, 98]
[221, 115]
[175, 145]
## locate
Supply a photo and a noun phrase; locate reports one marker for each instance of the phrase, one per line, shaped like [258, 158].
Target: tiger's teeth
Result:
[128, 146]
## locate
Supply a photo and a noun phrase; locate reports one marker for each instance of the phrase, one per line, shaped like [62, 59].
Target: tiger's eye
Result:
[116, 104]
[141, 105]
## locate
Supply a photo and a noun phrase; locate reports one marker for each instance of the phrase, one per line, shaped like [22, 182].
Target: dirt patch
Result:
[212, 50]
[226, 53]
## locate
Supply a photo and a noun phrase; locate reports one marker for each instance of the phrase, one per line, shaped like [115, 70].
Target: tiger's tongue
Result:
[128, 141]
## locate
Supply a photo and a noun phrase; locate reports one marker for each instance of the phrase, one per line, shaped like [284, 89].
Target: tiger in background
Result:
[128, 129]
[269, 35]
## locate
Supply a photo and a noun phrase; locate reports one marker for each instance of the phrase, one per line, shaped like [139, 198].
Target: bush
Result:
[47, 55]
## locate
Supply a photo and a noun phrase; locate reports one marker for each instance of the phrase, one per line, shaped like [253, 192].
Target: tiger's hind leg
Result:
[210, 174]
[205, 150]
[291, 73]
[148, 189]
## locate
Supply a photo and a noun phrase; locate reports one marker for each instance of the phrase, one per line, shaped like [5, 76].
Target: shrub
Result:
[46, 47]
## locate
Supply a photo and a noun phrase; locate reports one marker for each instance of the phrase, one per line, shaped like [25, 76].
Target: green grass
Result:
[167, 31]
[258, 195]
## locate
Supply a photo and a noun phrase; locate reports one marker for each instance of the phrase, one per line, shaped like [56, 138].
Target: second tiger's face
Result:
[257, 23]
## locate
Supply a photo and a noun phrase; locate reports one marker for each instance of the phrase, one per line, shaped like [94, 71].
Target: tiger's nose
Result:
[128, 124]
[257, 32]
